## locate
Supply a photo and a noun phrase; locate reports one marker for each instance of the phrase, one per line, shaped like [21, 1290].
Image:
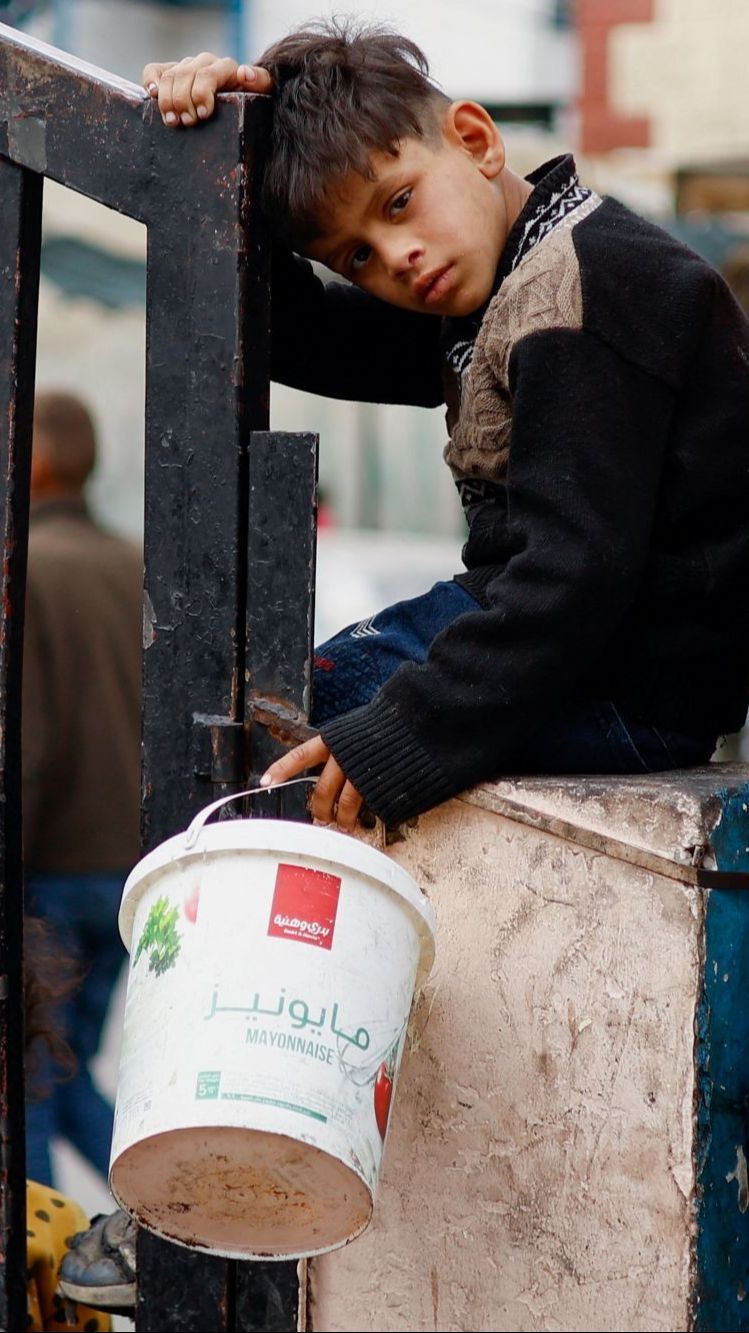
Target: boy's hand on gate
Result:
[186, 89]
[335, 800]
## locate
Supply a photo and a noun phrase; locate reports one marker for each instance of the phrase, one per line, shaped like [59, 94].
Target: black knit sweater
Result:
[599, 416]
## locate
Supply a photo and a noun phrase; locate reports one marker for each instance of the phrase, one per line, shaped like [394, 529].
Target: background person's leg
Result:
[86, 1117]
[83, 910]
[41, 1122]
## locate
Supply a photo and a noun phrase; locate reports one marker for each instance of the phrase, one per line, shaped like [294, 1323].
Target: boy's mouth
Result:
[433, 286]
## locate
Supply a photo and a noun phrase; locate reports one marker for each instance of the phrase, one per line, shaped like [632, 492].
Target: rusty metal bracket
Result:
[218, 746]
[286, 725]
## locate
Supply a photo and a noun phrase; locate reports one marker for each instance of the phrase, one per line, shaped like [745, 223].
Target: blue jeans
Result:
[82, 909]
[584, 736]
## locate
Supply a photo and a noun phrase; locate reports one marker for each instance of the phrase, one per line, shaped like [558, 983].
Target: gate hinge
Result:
[217, 748]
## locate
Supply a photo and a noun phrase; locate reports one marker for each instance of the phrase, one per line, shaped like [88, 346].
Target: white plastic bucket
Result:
[272, 971]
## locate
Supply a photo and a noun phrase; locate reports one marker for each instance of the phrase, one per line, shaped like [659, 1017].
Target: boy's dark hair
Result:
[342, 92]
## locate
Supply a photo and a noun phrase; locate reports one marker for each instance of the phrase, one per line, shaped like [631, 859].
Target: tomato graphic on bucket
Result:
[383, 1092]
[383, 1089]
[191, 904]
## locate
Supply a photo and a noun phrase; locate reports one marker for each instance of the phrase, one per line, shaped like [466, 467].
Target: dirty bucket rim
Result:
[287, 837]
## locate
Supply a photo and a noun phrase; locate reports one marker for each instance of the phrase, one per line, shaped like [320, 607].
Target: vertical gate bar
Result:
[281, 538]
[267, 1297]
[207, 386]
[207, 310]
[281, 566]
[20, 244]
[282, 534]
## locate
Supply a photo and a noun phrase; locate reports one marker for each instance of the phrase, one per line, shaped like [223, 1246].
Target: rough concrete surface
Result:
[538, 1173]
[658, 816]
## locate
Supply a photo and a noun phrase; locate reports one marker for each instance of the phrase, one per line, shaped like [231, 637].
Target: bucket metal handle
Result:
[193, 831]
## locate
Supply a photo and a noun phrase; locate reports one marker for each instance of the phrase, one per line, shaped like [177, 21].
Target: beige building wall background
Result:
[686, 71]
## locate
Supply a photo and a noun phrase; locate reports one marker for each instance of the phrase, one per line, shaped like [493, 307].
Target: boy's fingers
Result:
[220, 75]
[327, 791]
[152, 75]
[334, 799]
[166, 103]
[349, 805]
[175, 86]
[187, 88]
[308, 755]
[204, 94]
[254, 79]
[182, 85]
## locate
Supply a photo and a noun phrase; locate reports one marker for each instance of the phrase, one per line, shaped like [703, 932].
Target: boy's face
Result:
[427, 232]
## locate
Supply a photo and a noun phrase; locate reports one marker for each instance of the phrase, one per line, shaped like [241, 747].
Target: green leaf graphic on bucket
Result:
[160, 939]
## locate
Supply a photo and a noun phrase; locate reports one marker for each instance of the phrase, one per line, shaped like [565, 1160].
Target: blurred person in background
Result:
[81, 756]
[51, 1218]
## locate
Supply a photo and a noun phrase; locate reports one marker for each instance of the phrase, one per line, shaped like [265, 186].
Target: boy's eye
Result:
[400, 202]
[360, 257]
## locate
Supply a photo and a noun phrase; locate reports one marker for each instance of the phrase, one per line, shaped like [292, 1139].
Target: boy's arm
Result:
[328, 338]
[331, 338]
[588, 441]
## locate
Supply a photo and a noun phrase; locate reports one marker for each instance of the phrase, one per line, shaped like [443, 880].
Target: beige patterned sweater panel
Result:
[544, 292]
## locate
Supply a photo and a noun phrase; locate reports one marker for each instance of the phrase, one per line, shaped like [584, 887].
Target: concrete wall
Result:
[540, 1172]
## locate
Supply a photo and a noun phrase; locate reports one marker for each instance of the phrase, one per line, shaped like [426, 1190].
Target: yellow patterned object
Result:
[51, 1219]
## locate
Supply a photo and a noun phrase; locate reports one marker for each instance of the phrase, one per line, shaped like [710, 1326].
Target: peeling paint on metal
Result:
[730, 835]
[739, 1174]
[27, 141]
[149, 621]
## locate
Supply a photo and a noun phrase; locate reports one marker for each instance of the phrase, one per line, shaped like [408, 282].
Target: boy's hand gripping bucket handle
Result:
[194, 829]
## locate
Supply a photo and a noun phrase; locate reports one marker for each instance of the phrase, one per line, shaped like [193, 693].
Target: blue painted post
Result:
[722, 1296]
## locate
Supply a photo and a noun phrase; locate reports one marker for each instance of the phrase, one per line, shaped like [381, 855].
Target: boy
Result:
[596, 376]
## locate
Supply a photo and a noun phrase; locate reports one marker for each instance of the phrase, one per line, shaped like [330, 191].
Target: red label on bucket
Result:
[304, 907]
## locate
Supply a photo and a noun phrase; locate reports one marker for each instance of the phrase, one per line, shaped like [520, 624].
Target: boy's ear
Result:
[469, 126]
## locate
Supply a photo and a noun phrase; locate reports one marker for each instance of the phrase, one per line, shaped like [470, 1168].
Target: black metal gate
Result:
[227, 625]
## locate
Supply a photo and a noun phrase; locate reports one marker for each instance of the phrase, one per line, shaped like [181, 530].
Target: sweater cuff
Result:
[476, 581]
[379, 754]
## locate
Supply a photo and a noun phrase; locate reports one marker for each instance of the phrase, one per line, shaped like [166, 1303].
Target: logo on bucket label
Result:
[304, 907]
[208, 1084]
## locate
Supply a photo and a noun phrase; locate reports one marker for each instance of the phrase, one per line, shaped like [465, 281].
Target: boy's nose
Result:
[404, 259]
